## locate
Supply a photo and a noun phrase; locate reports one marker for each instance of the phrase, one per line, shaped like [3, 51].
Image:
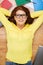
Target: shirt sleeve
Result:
[5, 11]
[36, 13]
[37, 23]
[4, 19]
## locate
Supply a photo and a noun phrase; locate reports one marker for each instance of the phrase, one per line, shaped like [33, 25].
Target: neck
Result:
[20, 26]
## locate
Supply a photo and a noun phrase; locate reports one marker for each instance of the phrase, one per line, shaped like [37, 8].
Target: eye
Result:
[20, 15]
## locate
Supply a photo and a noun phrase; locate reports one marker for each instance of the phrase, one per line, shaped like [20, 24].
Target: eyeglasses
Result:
[20, 15]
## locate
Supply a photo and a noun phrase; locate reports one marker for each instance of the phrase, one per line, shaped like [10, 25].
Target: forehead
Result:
[20, 12]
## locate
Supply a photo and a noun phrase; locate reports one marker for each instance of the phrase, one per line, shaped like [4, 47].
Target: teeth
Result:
[20, 21]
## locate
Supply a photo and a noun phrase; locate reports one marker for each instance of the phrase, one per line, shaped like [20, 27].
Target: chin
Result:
[21, 23]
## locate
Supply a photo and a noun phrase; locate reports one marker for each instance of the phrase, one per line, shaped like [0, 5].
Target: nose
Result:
[21, 17]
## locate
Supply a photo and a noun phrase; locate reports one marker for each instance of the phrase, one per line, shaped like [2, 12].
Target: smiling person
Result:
[20, 30]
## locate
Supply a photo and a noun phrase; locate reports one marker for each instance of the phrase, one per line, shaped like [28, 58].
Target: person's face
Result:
[20, 17]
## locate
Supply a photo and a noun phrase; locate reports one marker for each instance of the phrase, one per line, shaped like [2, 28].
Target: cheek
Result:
[25, 19]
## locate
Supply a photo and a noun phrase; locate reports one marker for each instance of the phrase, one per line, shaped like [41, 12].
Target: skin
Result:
[20, 21]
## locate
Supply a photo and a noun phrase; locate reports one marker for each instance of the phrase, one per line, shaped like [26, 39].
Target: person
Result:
[20, 29]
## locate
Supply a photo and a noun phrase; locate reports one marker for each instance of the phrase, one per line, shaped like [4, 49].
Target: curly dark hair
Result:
[29, 19]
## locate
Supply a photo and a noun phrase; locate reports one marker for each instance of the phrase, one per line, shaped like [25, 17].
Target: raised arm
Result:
[3, 18]
[36, 24]
[37, 13]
